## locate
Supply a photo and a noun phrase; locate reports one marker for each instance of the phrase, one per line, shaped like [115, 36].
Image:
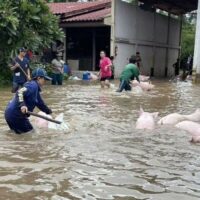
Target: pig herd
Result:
[187, 123]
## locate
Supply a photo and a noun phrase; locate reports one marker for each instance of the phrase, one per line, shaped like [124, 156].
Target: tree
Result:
[188, 35]
[27, 23]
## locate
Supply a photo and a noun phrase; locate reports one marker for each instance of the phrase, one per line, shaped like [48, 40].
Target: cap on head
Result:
[39, 72]
[22, 49]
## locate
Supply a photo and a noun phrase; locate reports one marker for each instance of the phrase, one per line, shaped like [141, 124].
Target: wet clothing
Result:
[105, 78]
[130, 72]
[57, 72]
[16, 86]
[138, 61]
[176, 68]
[57, 79]
[28, 96]
[124, 85]
[105, 67]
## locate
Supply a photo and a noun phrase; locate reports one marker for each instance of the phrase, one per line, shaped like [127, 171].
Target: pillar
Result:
[93, 49]
[167, 48]
[196, 65]
[65, 46]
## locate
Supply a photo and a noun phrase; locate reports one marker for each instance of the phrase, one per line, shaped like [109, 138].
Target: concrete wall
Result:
[155, 36]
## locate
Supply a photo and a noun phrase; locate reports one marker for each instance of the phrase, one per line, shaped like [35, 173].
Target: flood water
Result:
[103, 156]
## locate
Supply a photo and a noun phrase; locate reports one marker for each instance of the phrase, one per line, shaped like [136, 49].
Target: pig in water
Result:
[39, 122]
[172, 119]
[42, 123]
[195, 117]
[93, 77]
[146, 86]
[192, 127]
[61, 127]
[144, 78]
[175, 118]
[146, 120]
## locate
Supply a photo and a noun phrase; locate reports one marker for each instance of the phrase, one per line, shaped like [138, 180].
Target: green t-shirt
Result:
[130, 72]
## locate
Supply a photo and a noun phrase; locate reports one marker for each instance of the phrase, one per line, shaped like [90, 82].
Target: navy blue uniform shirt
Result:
[18, 75]
[28, 96]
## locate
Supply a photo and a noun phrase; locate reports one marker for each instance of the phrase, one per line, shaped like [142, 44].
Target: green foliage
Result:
[26, 23]
[51, 1]
[188, 36]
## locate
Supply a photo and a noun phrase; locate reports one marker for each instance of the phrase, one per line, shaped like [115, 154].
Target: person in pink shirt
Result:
[105, 70]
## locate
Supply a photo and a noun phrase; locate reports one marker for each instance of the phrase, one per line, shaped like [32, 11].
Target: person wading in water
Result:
[26, 99]
[105, 70]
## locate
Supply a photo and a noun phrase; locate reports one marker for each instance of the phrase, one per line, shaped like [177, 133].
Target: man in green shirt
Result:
[129, 73]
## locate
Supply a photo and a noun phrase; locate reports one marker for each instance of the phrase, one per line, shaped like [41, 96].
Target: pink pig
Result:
[172, 119]
[41, 123]
[195, 117]
[192, 127]
[146, 120]
[146, 86]
[144, 78]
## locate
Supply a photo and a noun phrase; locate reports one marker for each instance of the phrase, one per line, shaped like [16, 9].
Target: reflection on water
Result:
[103, 156]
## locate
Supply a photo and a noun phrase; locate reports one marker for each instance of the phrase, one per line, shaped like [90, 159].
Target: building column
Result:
[112, 28]
[167, 49]
[65, 46]
[93, 49]
[196, 65]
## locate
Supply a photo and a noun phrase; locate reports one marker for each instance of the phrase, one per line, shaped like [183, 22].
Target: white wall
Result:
[146, 32]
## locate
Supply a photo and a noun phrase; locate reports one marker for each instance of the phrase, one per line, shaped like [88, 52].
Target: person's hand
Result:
[17, 65]
[24, 109]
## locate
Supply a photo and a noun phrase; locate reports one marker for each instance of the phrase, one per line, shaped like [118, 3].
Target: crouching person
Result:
[26, 99]
[129, 73]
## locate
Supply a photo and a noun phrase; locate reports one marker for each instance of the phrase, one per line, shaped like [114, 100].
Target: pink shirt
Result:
[105, 71]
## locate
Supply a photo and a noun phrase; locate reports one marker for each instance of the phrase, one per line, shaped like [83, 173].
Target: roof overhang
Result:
[176, 7]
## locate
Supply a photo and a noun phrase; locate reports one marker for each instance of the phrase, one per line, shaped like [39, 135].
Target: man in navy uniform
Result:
[21, 70]
[26, 99]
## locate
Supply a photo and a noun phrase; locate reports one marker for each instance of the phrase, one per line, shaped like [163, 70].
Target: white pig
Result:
[42, 123]
[146, 120]
[144, 78]
[192, 127]
[146, 86]
[39, 122]
[172, 119]
[195, 117]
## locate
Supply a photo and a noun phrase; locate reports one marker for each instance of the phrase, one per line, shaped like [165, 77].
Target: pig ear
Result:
[155, 115]
[198, 110]
[141, 110]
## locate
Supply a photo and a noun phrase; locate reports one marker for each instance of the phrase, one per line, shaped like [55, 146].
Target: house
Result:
[121, 29]
[87, 28]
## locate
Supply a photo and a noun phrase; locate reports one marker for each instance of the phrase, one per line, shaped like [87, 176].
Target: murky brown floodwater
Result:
[103, 156]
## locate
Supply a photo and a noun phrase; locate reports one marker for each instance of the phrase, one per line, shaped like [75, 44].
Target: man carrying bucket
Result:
[26, 99]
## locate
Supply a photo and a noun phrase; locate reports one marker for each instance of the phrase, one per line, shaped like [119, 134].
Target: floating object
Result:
[86, 76]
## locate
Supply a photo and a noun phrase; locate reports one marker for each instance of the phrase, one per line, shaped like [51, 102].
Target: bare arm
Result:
[14, 66]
